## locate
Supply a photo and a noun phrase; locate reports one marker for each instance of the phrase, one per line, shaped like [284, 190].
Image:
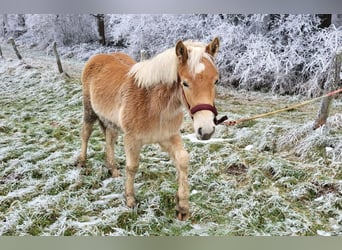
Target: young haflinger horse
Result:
[144, 100]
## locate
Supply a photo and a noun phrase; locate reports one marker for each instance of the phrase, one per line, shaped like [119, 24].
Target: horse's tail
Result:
[89, 71]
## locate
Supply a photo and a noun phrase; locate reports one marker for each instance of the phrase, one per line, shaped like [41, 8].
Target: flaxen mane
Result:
[162, 69]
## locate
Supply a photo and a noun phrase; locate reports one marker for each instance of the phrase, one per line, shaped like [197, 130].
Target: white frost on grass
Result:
[43, 202]
[19, 192]
[108, 197]
[11, 221]
[72, 175]
[249, 147]
[192, 138]
[42, 192]
[323, 233]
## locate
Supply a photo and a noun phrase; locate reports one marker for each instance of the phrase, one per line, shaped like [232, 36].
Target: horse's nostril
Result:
[204, 135]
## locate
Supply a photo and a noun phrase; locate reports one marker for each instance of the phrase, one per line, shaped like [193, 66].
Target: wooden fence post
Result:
[12, 42]
[59, 63]
[323, 111]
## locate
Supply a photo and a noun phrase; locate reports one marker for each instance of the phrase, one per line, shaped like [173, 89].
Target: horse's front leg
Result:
[132, 150]
[180, 156]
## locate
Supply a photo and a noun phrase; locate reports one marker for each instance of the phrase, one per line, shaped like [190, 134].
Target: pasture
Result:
[272, 176]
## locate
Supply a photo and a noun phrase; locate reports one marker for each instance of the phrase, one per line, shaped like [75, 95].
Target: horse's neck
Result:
[167, 97]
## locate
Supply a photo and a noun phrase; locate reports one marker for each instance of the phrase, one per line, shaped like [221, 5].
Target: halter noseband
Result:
[201, 107]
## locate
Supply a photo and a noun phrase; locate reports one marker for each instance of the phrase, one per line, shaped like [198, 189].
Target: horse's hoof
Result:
[130, 201]
[114, 173]
[182, 214]
[80, 163]
[182, 211]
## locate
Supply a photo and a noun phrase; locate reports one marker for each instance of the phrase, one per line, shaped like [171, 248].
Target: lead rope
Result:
[232, 123]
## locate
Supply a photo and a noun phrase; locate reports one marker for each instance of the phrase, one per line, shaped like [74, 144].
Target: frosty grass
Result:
[272, 176]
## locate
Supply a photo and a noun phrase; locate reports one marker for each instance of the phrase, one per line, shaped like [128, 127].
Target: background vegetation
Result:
[284, 54]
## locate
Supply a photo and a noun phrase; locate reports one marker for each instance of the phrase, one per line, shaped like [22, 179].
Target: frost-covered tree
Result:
[285, 54]
[155, 32]
[4, 25]
[12, 25]
[282, 53]
[100, 20]
[65, 29]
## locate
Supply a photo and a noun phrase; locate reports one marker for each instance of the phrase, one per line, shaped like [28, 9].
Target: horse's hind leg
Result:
[111, 137]
[89, 118]
[87, 128]
[180, 156]
[132, 150]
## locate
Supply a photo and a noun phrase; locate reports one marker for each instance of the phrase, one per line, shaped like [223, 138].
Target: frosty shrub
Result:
[65, 29]
[13, 25]
[287, 54]
[284, 54]
[154, 33]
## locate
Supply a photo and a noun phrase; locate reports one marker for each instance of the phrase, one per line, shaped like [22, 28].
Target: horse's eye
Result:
[216, 82]
[185, 84]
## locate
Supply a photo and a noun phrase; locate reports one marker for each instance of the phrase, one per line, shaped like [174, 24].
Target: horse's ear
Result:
[213, 46]
[181, 52]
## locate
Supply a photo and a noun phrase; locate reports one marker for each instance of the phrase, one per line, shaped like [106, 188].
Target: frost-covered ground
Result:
[273, 176]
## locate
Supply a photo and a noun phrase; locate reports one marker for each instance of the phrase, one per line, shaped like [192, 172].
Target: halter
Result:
[201, 107]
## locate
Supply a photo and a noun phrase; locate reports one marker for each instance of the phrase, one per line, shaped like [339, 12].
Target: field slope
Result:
[272, 176]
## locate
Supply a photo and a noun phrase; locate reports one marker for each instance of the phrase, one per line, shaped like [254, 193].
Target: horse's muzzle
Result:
[204, 132]
[204, 136]
[211, 108]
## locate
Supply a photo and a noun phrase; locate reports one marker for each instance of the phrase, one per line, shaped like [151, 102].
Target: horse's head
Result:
[198, 75]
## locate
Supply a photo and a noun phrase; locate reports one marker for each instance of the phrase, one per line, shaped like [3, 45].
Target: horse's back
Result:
[123, 58]
[106, 66]
[103, 77]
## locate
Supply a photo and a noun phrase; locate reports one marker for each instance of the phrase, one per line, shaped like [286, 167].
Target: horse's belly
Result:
[155, 137]
[109, 117]
[161, 132]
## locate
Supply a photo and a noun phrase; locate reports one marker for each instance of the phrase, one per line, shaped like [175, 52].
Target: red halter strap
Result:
[201, 107]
